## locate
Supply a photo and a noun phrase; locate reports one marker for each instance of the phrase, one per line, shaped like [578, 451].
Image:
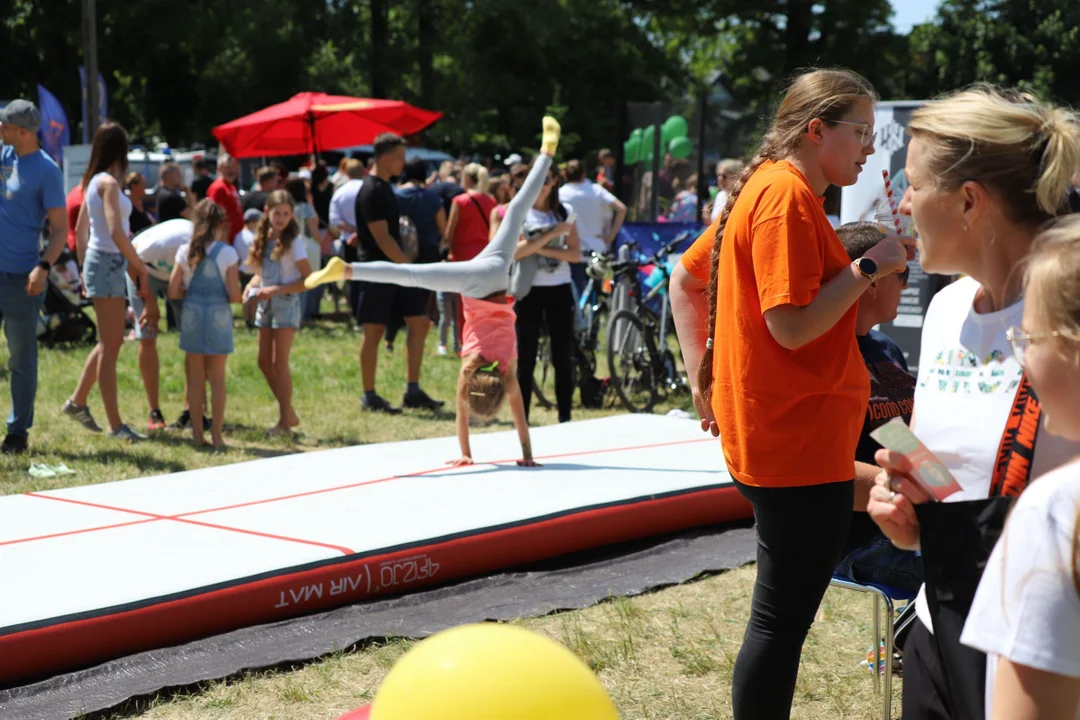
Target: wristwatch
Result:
[45, 265]
[867, 268]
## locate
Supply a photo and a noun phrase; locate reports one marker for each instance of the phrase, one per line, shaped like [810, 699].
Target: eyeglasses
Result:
[1021, 341]
[868, 136]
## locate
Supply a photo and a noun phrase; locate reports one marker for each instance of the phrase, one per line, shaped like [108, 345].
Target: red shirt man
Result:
[224, 193]
[73, 204]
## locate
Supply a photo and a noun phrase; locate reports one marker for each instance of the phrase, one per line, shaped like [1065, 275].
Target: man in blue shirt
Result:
[869, 557]
[31, 191]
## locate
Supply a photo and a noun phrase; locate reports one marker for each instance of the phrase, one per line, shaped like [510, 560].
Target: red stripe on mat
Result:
[421, 473]
[78, 532]
[150, 517]
[181, 516]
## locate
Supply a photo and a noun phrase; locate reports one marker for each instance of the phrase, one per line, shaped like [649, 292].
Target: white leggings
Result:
[484, 275]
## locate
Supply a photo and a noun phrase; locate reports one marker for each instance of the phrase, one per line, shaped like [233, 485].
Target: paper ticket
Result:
[934, 478]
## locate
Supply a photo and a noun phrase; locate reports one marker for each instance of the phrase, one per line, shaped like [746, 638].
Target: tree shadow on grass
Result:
[140, 460]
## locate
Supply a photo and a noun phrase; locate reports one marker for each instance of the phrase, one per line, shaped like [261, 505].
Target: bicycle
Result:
[642, 366]
[592, 309]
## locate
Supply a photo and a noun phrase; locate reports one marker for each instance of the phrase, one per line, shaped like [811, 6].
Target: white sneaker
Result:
[126, 433]
[441, 351]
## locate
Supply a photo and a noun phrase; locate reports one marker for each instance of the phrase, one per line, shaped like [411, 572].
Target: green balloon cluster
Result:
[673, 139]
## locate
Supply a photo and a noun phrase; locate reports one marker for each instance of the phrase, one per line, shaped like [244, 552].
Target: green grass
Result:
[666, 655]
[326, 394]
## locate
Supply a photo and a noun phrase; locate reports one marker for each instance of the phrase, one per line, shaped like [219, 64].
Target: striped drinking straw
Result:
[892, 202]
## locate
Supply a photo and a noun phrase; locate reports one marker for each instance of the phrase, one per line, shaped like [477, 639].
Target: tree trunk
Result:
[380, 28]
[800, 17]
[425, 34]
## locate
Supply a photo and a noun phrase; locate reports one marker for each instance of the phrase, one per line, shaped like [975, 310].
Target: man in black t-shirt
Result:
[378, 237]
[869, 557]
[171, 199]
[201, 184]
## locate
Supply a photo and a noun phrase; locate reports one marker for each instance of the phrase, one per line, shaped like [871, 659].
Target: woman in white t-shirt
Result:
[550, 242]
[105, 251]
[1026, 613]
[987, 168]
[280, 262]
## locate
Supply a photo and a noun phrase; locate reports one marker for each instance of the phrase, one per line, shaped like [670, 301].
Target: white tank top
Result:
[100, 238]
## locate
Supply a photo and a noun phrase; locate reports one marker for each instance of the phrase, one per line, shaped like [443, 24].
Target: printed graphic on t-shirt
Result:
[9, 180]
[892, 393]
[961, 372]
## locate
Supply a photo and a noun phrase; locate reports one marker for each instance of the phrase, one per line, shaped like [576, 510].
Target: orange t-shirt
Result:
[786, 417]
[698, 257]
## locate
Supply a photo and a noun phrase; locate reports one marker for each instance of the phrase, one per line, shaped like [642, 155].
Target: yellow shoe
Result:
[334, 271]
[550, 142]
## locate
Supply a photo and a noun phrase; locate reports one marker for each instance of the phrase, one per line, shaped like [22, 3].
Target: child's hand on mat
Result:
[460, 462]
[528, 462]
[894, 509]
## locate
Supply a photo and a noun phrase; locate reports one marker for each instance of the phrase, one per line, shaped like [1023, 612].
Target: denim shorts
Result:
[158, 289]
[103, 274]
[279, 312]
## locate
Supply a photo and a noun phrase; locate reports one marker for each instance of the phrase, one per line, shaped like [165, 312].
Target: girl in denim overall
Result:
[206, 325]
[280, 262]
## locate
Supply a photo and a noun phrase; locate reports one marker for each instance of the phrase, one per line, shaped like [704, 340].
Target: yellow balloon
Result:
[491, 672]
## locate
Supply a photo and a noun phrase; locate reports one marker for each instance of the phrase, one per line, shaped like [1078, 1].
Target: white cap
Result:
[512, 160]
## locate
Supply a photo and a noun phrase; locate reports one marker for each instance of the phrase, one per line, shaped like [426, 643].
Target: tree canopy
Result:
[176, 69]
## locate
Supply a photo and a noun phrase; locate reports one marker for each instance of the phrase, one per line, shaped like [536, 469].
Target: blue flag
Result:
[103, 102]
[55, 133]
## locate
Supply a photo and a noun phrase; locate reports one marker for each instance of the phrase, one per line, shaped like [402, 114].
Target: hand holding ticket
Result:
[933, 477]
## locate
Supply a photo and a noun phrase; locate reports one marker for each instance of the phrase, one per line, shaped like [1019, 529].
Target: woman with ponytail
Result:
[987, 169]
[765, 307]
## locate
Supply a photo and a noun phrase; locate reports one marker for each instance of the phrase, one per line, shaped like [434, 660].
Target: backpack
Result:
[410, 238]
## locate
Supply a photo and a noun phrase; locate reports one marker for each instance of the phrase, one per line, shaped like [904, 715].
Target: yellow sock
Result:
[550, 142]
[334, 271]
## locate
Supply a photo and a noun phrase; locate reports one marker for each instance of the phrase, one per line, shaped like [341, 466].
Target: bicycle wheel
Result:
[631, 361]
[544, 374]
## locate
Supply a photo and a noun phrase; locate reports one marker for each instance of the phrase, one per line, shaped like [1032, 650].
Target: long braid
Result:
[767, 151]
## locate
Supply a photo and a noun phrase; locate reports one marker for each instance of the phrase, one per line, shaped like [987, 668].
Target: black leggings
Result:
[801, 535]
[553, 307]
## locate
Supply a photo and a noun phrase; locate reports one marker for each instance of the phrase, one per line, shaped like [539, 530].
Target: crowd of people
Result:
[191, 242]
[775, 310]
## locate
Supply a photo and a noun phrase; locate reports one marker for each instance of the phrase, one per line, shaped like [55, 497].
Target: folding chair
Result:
[894, 625]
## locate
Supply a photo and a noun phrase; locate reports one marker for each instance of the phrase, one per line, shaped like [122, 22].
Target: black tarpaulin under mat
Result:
[567, 583]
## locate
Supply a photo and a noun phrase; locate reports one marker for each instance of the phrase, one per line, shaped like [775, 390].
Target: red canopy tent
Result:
[309, 122]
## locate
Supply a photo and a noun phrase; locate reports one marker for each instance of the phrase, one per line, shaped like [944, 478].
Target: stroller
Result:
[62, 318]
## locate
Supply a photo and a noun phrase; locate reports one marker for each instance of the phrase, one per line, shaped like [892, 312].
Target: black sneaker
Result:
[156, 421]
[419, 400]
[184, 422]
[14, 445]
[379, 404]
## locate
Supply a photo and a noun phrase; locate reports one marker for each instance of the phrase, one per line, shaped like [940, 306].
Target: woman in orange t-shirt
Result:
[775, 334]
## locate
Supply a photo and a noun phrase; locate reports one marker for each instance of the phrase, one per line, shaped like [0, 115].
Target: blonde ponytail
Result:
[1021, 148]
[479, 175]
[1061, 159]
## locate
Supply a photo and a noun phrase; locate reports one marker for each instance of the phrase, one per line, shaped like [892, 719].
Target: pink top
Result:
[489, 331]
